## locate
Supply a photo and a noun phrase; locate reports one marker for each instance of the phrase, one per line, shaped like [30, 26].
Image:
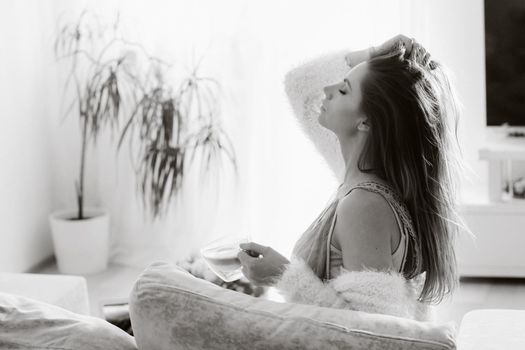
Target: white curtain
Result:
[289, 183]
[248, 46]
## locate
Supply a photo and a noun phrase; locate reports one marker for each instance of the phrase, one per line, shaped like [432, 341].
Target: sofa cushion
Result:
[485, 329]
[29, 324]
[171, 309]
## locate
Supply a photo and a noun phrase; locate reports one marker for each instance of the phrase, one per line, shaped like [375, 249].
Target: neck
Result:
[351, 150]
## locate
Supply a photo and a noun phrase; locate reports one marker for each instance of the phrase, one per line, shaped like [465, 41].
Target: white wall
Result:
[39, 149]
[40, 154]
[26, 86]
[250, 45]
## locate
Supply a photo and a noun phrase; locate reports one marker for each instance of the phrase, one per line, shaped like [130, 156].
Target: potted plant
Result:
[169, 125]
[97, 76]
[172, 125]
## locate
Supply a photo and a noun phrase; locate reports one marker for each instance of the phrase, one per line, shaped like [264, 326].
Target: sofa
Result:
[39, 311]
[172, 309]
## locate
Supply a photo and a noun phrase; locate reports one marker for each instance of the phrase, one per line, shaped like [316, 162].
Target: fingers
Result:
[403, 40]
[248, 257]
[392, 44]
[256, 248]
[252, 253]
[247, 266]
[407, 42]
[410, 46]
[413, 53]
[244, 258]
[426, 59]
[419, 55]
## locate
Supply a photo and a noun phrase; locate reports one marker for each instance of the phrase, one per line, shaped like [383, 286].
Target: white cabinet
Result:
[497, 219]
[499, 247]
[502, 157]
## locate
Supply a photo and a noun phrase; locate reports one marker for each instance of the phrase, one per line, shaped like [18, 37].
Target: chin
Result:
[320, 119]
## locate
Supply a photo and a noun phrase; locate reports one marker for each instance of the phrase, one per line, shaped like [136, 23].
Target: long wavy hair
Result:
[413, 115]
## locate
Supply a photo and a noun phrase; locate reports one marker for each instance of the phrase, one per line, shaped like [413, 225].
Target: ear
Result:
[363, 125]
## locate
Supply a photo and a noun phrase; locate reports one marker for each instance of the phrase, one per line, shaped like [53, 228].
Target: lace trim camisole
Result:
[334, 256]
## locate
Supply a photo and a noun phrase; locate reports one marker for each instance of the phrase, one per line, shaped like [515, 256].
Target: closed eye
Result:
[342, 92]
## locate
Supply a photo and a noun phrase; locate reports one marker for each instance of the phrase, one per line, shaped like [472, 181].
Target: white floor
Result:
[483, 293]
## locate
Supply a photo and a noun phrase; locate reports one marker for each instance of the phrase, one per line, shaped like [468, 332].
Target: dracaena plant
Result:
[170, 125]
[173, 124]
[96, 78]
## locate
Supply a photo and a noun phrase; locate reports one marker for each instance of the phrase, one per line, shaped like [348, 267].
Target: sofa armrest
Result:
[68, 292]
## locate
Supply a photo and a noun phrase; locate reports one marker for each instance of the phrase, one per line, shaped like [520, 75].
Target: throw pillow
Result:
[29, 324]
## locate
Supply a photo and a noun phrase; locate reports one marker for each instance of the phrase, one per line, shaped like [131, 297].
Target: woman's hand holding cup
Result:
[260, 264]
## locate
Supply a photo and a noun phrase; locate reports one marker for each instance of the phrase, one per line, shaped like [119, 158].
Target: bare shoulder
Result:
[366, 207]
[364, 227]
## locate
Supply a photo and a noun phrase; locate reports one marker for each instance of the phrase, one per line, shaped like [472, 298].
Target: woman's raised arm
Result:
[304, 88]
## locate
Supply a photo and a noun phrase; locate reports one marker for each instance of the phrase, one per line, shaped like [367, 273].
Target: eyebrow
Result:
[348, 83]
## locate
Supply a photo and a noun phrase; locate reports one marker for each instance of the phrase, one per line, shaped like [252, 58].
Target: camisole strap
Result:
[402, 218]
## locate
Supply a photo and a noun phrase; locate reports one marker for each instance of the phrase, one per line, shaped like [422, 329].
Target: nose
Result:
[326, 92]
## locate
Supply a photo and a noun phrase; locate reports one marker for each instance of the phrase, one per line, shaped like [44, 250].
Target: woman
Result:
[385, 243]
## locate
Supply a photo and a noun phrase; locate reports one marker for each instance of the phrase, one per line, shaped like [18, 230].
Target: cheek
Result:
[344, 116]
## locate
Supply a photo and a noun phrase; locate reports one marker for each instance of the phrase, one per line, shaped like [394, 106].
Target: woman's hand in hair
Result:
[353, 58]
[413, 50]
[420, 55]
[260, 264]
[392, 44]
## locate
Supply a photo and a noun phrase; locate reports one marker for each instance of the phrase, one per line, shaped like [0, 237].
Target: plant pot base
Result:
[81, 246]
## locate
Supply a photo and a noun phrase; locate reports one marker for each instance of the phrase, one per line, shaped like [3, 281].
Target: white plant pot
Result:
[81, 246]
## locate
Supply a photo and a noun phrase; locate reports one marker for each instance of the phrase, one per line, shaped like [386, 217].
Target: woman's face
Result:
[341, 108]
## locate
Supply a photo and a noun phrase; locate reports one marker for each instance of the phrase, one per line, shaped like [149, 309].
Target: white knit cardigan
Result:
[370, 291]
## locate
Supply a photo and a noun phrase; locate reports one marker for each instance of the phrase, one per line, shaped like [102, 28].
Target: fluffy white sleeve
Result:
[299, 284]
[369, 291]
[304, 89]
